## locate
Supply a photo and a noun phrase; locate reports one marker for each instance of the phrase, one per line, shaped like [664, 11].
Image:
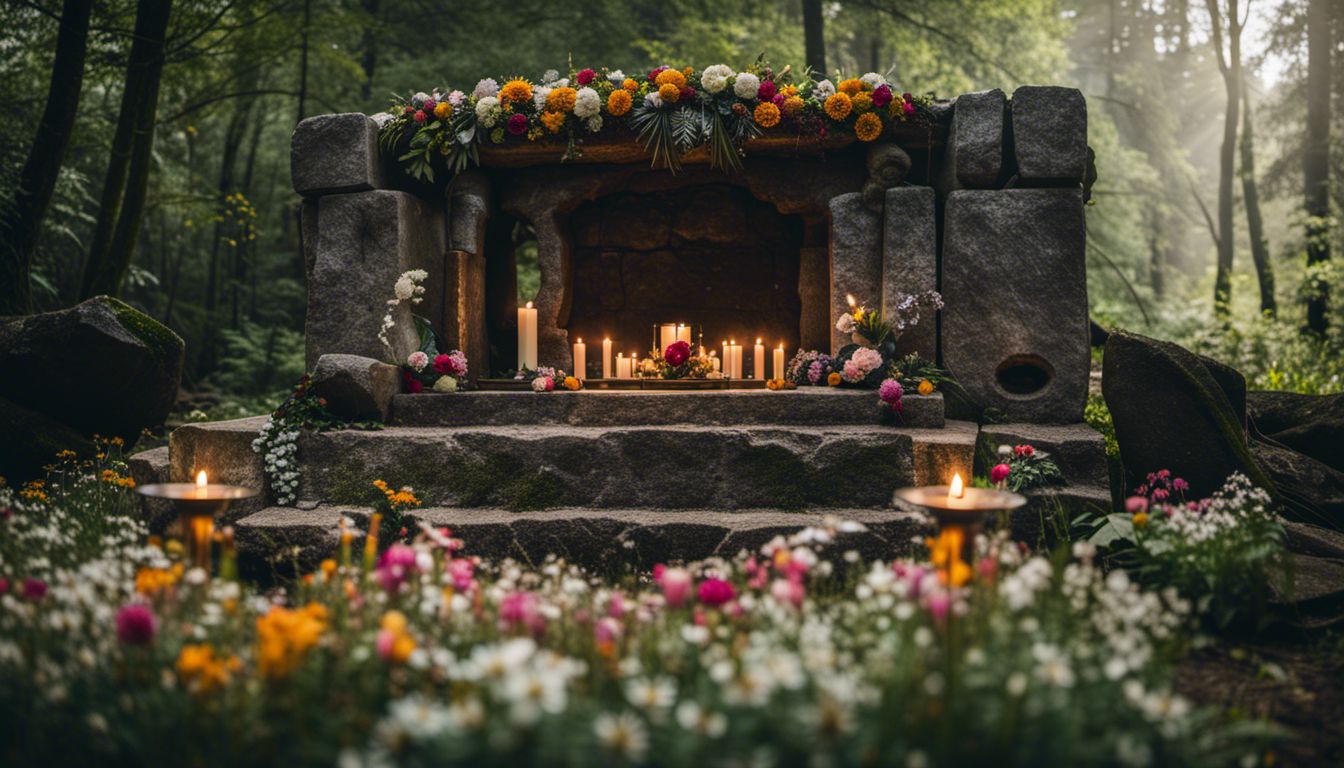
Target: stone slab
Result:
[805, 406]
[975, 147]
[1049, 134]
[1078, 449]
[469, 204]
[910, 262]
[594, 538]
[331, 154]
[856, 259]
[224, 450]
[147, 467]
[365, 241]
[1015, 327]
[356, 388]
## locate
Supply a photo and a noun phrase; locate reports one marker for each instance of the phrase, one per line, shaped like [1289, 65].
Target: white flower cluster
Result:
[407, 288]
[278, 444]
[715, 78]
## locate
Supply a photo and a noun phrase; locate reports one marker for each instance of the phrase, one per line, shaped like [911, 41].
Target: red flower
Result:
[715, 592]
[517, 124]
[409, 109]
[687, 93]
[430, 104]
[34, 589]
[767, 90]
[653, 75]
[999, 473]
[881, 96]
[1024, 450]
[420, 116]
[585, 77]
[909, 108]
[677, 353]
[413, 384]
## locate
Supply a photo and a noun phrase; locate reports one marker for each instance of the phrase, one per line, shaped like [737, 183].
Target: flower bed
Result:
[111, 649]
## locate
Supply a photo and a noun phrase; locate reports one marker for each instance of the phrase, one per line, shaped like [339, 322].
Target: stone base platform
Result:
[615, 408]
[599, 539]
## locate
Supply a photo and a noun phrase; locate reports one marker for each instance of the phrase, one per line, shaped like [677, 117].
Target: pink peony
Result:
[715, 592]
[890, 393]
[1136, 504]
[520, 610]
[851, 373]
[33, 589]
[135, 625]
[517, 124]
[677, 353]
[395, 566]
[445, 365]
[882, 96]
[999, 473]
[462, 570]
[788, 592]
[585, 76]
[417, 360]
[767, 90]
[676, 584]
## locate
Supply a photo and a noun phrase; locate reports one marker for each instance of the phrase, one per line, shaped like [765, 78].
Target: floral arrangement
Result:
[278, 439]
[445, 373]
[1022, 468]
[923, 375]
[420, 653]
[407, 288]
[1226, 552]
[677, 362]
[545, 379]
[868, 326]
[672, 111]
[809, 368]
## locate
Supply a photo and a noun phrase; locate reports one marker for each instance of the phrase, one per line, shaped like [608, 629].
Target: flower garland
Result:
[673, 111]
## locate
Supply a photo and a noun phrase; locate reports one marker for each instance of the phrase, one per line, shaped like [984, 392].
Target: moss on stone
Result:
[503, 480]
[158, 338]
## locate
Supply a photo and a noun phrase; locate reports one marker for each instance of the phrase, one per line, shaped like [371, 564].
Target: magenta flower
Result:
[676, 584]
[715, 592]
[890, 393]
[999, 473]
[788, 592]
[33, 589]
[767, 90]
[520, 610]
[882, 96]
[1136, 504]
[136, 625]
[462, 571]
[420, 116]
[677, 353]
[395, 566]
[517, 124]
[585, 76]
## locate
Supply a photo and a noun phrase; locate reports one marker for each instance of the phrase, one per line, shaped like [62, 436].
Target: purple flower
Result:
[890, 393]
[33, 589]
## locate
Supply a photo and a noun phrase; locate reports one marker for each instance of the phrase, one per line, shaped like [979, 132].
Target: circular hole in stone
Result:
[1024, 375]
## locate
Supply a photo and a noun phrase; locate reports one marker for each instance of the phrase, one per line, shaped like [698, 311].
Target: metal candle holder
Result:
[965, 512]
[196, 505]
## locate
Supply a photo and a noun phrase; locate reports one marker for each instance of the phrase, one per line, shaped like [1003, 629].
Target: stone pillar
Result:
[814, 293]
[1015, 328]
[470, 203]
[365, 241]
[856, 259]
[331, 154]
[1049, 135]
[973, 158]
[910, 262]
[553, 296]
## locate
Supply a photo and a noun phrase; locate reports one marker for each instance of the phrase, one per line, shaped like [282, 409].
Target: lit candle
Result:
[956, 490]
[667, 336]
[580, 359]
[737, 360]
[622, 366]
[779, 361]
[684, 333]
[201, 482]
[527, 337]
[850, 298]
[727, 359]
[758, 361]
[606, 358]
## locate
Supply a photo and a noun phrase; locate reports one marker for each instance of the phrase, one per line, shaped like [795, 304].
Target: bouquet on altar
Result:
[545, 378]
[677, 362]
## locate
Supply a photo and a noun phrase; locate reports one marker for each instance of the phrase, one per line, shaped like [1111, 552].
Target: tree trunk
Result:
[814, 37]
[1316, 156]
[369, 55]
[124, 187]
[1264, 268]
[21, 222]
[303, 61]
[1229, 64]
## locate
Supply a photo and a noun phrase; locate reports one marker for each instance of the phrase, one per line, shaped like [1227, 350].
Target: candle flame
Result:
[849, 297]
[580, 339]
[529, 305]
[201, 480]
[956, 490]
[758, 342]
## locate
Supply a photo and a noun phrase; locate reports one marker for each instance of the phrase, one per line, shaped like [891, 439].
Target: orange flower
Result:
[443, 110]
[838, 106]
[945, 556]
[669, 93]
[553, 121]
[833, 379]
[561, 99]
[767, 115]
[515, 90]
[572, 384]
[868, 127]
[789, 90]
[618, 103]
[670, 77]
[925, 387]
[202, 671]
[862, 102]
[851, 86]
[630, 84]
[284, 637]
[793, 106]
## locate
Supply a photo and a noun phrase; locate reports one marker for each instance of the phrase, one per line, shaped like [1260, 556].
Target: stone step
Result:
[1078, 449]
[276, 536]
[539, 467]
[808, 406]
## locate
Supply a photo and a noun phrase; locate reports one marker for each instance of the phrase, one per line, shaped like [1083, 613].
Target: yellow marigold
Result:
[618, 103]
[284, 637]
[767, 115]
[851, 86]
[572, 384]
[833, 379]
[868, 127]
[838, 106]
[669, 93]
[515, 90]
[443, 110]
[561, 99]
[862, 102]
[1140, 519]
[925, 387]
[789, 90]
[688, 71]
[793, 106]
[553, 121]
[201, 670]
[153, 581]
[670, 77]
[630, 84]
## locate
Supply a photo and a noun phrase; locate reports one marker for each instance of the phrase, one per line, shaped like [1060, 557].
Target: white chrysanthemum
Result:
[623, 735]
[486, 88]
[539, 384]
[539, 95]
[550, 76]
[824, 89]
[594, 124]
[487, 111]
[445, 384]
[405, 287]
[652, 99]
[746, 85]
[715, 77]
[872, 79]
[616, 76]
[587, 103]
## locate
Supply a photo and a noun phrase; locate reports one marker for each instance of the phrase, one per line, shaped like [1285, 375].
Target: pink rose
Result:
[1136, 504]
[999, 473]
[676, 584]
[715, 592]
[677, 353]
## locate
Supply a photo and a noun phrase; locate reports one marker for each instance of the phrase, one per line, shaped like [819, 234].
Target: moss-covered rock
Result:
[98, 367]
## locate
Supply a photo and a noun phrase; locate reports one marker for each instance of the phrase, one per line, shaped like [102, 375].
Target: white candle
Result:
[527, 337]
[684, 333]
[714, 362]
[734, 360]
[667, 336]
[580, 359]
[606, 358]
[758, 361]
[779, 362]
[622, 366]
[727, 358]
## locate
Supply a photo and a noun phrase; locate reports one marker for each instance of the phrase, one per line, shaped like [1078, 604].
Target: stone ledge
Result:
[807, 406]
[1078, 449]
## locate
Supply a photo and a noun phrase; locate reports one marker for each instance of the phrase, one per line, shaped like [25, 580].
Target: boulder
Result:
[974, 155]
[1309, 490]
[1049, 126]
[1015, 329]
[98, 367]
[910, 262]
[1310, 424]
[331, 154]
[355, 387]
[30, 440]
[1171, 413]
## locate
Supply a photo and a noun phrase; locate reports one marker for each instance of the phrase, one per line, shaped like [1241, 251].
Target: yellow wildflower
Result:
[443, 110]
[152, 582]
[1140, 519]
[284, 637]
[553, 121]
